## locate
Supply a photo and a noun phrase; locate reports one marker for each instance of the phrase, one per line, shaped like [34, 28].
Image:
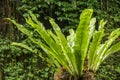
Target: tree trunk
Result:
[1, 74]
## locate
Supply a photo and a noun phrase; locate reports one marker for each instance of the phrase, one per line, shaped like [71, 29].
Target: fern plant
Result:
[80, 53]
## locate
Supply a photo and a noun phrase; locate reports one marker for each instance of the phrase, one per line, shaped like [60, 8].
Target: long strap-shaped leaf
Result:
[52, 51]
[39, 28]
[24, 46]
[113, 49]
[94, 47]
[114, 35]
[92, 27]
[91, 33]
[71, 39]
[82, 38]
[21, 28]
[63, 43]
[43, 33]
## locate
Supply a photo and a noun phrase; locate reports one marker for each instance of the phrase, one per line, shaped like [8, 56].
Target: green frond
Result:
[63, 43]
[24, 46]
[82, 38]
[21, 28]
[114, 33]
[105, 48]
[71, 39]
[94, 46]
[102, 24]
[114, 48]
[92, 27]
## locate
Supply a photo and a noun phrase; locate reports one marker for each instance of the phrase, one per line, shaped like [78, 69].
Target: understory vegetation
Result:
[19, 67]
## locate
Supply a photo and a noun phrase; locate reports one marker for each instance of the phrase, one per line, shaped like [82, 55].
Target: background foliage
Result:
[20, 64]
[110, 69]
